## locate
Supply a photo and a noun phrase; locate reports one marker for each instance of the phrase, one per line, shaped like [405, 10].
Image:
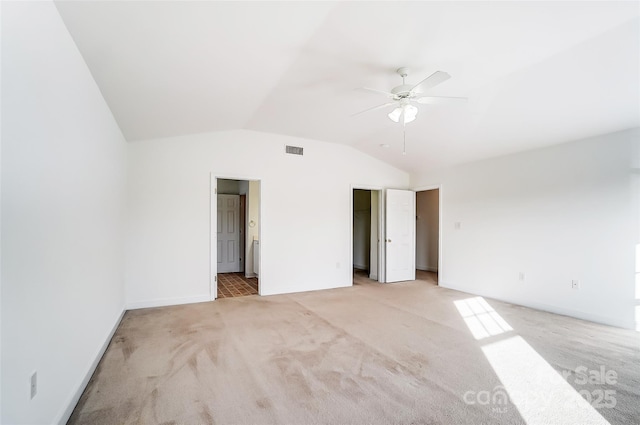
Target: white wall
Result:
[243, 187]
[427, 221]
[229, 187]
[305, 219]
[555, 214]
[63, 185]
[0, 216]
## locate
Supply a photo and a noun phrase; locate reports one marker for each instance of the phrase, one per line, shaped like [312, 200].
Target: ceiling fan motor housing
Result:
[403, 71]
[403, 91]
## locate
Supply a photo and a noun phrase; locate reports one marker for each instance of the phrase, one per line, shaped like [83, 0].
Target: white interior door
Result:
[400, 235]
[228, 218]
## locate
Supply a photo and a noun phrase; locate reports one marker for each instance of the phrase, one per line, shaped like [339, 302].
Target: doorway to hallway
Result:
[235, 233]
[427, 234]
[366, 235]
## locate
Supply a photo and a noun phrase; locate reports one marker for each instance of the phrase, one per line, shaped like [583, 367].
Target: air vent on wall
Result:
[294, 150]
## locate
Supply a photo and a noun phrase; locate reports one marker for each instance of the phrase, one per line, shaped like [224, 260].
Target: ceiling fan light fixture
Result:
[407, 112]
[410, 112]
[395, 114]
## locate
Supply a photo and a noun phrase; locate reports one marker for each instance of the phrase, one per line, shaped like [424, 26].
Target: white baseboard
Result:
[605, 320]
[162, 302]
[64, 416]
[250, 275]
[359, 267]
[297, 290]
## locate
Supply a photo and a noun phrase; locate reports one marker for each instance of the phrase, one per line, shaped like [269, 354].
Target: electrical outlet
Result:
[521, 276]
[575, 284]
[457, 225]
[34, 384]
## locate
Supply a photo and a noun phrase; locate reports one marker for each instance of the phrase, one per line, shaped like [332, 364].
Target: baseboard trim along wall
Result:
[64, 416]
[605, 320]
[163, 302]
[295, 290]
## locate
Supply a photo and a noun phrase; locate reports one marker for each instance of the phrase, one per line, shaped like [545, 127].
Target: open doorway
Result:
[237, 245]
[427, 235]
[366, 235]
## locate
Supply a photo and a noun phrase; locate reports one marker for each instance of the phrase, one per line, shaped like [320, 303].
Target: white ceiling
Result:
[535, 73]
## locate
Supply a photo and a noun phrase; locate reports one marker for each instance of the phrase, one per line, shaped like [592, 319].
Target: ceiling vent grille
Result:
[294, 150]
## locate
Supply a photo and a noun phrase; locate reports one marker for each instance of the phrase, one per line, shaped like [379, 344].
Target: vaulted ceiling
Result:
[535, 73]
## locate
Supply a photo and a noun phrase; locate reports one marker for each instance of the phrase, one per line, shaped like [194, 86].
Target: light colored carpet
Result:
[369, 354]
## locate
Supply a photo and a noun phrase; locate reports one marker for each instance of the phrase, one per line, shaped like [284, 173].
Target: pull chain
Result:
[404, 138]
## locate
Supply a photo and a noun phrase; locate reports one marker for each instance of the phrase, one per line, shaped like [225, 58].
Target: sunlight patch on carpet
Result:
[481, 318]
[538, 392]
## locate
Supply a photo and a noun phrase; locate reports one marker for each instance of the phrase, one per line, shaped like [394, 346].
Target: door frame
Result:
[213, 228]
[382, 272]
[440, 220]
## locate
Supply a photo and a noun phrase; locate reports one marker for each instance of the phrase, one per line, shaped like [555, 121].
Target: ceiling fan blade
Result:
[385, 93]
[431, 81]
[374, 108]
[440, 100]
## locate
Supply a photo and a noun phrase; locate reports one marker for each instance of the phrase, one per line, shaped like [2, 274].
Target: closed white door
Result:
[228, 217]
[401, 235]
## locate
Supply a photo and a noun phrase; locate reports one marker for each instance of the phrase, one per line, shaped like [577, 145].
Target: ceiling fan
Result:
[405, 95]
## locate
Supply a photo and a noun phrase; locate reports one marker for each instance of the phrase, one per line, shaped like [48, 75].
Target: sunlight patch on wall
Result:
[481, 319]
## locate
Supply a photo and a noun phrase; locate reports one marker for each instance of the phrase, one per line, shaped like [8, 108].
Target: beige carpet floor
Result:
[407, 353]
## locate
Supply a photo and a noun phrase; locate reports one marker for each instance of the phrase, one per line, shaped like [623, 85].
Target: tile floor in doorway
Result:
[236, 285]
